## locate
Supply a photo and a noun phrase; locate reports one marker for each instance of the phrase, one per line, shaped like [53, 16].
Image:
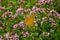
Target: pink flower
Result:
[25, 11]
[15, 26]
[4, 15]
[25, 34]
[13, 16]
[42, 1]
[58, 16]
[40, 10]
[16, 15]
[12, 32]
[15, 37]
[34, 8]
[32, 12]
[53, 23]
[19, 10]
[44, 19]
[6, 35]
[8, 13]
[28, 10]
[51, 19]
[10, 38]
[21, 24]
[49, 15]
[0, 27]
[53, 13]
[2, 8]
[1, 37]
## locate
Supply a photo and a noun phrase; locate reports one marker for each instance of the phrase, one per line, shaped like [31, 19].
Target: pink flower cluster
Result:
[12, 37]
[6, 14]
[52, 21]
[40, 2]
[25, 34]
[34, 10]
[21, 24]
[54, 13]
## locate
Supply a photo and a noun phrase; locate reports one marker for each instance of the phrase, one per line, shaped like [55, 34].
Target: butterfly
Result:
[29, 21]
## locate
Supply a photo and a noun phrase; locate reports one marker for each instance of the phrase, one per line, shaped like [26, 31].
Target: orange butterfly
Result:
[30, 20]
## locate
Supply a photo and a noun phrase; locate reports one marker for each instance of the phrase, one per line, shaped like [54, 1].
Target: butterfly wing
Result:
[30, 20]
